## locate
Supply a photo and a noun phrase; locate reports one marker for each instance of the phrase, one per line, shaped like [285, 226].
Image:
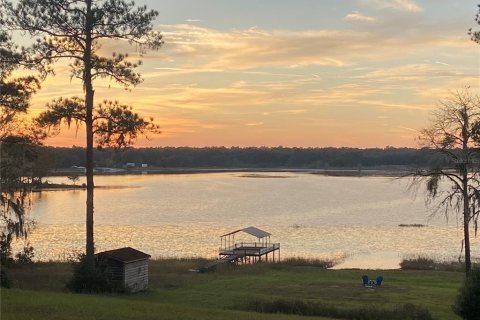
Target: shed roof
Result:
[251, 231]
[125, 255]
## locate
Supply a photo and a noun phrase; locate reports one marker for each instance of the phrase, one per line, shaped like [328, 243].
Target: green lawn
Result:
[176, 293]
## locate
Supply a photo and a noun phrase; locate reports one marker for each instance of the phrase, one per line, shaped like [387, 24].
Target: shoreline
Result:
[346, 172]
[245, 173]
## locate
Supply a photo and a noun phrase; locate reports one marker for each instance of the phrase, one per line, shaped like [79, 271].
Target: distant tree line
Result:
[236, 157]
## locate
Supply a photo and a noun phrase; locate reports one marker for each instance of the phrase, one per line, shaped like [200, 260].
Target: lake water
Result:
[354, 219]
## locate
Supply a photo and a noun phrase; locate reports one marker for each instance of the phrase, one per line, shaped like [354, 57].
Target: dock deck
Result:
[249, 252]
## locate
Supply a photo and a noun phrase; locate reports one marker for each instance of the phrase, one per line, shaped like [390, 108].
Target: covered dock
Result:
[260, 249]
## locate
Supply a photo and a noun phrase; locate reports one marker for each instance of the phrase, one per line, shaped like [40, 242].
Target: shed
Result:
[128, 266]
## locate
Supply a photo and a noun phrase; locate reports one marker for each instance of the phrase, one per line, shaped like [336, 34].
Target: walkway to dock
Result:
[228, 259]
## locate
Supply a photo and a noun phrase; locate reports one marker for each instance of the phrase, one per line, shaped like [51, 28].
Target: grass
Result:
[176, 293]
[23, 304]
[426, 263]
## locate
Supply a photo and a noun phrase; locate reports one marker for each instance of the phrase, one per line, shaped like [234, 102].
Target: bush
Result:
[5, 260]
[5, 280]
[25, 256]
[306, 262]
[298, 307]
[467, 304]
[93, 277]
[425, 263]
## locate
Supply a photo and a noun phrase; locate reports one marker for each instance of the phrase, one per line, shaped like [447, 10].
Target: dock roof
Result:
[251, 231]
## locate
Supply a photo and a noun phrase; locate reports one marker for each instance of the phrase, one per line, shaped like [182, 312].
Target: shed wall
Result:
[136, 275]
[116, 269]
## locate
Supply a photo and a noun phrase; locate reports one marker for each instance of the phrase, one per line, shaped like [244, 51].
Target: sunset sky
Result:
[307, 73]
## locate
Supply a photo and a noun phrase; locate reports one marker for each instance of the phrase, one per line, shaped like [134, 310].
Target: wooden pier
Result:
[243, 252]
[248, 252]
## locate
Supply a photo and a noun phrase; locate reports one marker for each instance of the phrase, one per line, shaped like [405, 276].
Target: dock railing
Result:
[262, 247]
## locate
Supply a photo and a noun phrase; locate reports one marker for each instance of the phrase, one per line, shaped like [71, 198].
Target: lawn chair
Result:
[379, 281]
[365, 281]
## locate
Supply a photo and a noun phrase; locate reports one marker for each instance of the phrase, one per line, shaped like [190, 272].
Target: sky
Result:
[303, 73]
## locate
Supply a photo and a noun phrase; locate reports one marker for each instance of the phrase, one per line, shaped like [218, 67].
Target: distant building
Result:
[128, 266]
[144, 165]
[108, 170]
[78, 169]
[130, 165]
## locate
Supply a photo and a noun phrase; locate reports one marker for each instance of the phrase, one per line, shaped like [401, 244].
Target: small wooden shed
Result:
[128, 266]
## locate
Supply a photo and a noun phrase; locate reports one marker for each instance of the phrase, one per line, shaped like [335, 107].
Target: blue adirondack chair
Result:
[365, 280]
[379, 281]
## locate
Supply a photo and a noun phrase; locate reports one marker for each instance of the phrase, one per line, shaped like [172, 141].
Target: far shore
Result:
[393, 172]
[66, 187]
[389, 171]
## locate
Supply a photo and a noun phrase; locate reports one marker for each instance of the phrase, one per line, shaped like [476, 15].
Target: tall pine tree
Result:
[74, 30]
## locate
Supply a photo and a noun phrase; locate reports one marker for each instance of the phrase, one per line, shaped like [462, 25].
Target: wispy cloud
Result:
[411, 72]
[358, 17]
[254, 124]
[252, 48]
[375, 81]
[402, 5]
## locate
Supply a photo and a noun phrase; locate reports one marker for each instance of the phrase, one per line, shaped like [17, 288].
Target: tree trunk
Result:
[466, 198]
[466, 222]
[89, 93]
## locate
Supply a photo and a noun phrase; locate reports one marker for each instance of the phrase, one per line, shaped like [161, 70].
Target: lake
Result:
[353, 219]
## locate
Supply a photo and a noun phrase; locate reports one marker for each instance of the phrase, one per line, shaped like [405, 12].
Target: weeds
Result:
[305, 262]
[299, 307]
[424, 263]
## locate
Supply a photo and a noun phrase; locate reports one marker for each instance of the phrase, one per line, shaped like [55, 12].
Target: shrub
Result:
[299, 307]
[467, 304]
[25, 256]
[5, 260]
[5, 280]
[306, 262]
[425, 263]
[92, 278]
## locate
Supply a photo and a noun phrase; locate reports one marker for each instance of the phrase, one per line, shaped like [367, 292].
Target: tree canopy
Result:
[475, 34]
[15, 92]
[114, 125]
[75, 31]
[454, 133]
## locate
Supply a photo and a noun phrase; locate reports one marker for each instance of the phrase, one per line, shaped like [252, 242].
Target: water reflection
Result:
[311, 216]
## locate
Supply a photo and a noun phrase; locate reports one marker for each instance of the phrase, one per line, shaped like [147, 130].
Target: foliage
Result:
[92, 278]
[19, 145]
[455, 134]
[251, 158]
[424, 263]
[467, 304]
[15, 91]
[75, 31]
[69, 29]
[17, 158]
[5, 260]
[476, 34]
[298, 307]
[307, 262]
[74, 178]
[26, 255]
[114, 125]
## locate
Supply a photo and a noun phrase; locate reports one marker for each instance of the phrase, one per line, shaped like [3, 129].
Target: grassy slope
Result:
[24, 304]
[178, 294]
